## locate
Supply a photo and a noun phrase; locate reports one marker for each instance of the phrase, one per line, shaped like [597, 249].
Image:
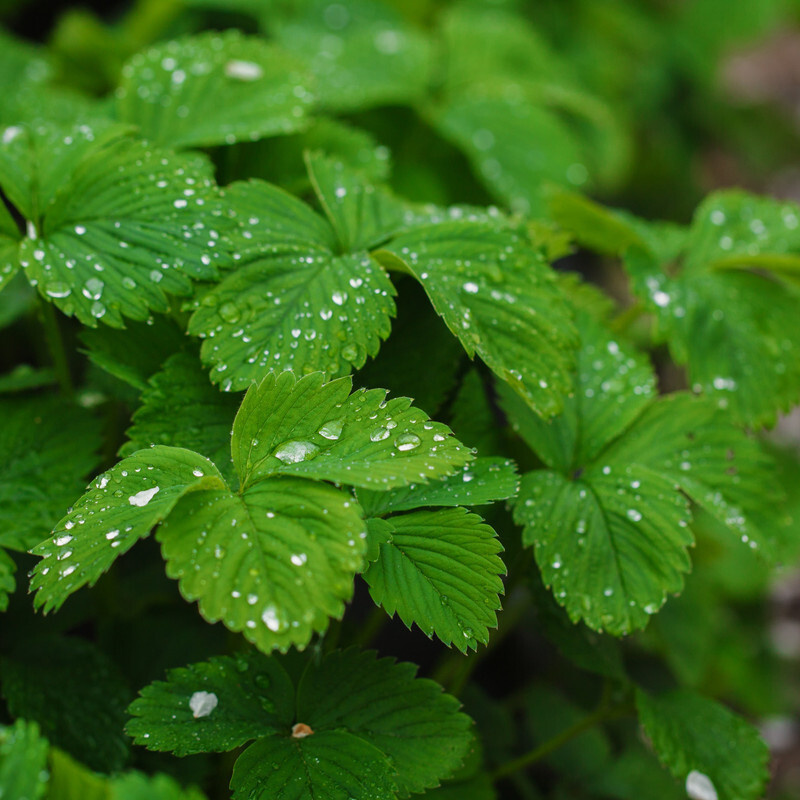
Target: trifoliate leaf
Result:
[362, 54]
[45, 680]
[136, 786]
[330, 764]
[693, 444]
[274, 563]
[136, 352]
[213, 88]
[611, 545]
[687, 730]
[440, 570]
[23, 761]
[482, 481]
[119, 507]
[372, 725]
[319, 430]
[613, 386]
[112, 223]
[47, 447]
[500, 299]
[362, 215]
[181, 408]
[214, 706]
[381, 701]
[726, 313]
[292, 302]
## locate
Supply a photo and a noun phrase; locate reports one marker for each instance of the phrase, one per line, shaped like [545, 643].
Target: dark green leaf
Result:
[440, 570]
[693, 734]
[274, 563]
[135, 786]
[119, 507]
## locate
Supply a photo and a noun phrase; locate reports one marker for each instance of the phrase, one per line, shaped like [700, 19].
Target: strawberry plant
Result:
[374, 424]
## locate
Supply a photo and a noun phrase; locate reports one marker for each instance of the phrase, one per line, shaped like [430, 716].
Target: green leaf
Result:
[254, 698]
[440, 570]
[474, 415]
[71, 780]
[119, 507]
[379, 531]
[727, 313]
[500, 299]
[136, 352]
[319, 430]
[7, 582]
[213, 88]
[372, 724]
[329, 764]
[362, 215]
[47, 447]
[613, 385]
[482, 481]
[23, 760]
[135, 786]
[687, 731]
[515, 146]
[24, 377]
[381, 701]
[292, 302]
[693, 444]
[113, 224]
[612, 544]
[44, 680]
[180, 408]
[361, 56]
[274, 563]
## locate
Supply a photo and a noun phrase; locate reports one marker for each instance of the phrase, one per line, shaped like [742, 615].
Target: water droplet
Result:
[293, 452]
[298, 559]
[144, 497]
[379, 434]
[700, 787]
[270, 619]
[243, 70]
[407, 441]
[229, 312]
[57, 289]
[332, 429]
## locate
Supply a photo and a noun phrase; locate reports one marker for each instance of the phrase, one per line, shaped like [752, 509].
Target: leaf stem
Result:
[371, 627]
[603, 713]
[55, 346]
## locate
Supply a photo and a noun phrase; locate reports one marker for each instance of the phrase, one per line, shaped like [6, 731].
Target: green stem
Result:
[603, 713]
[371, 627]
[55, 345]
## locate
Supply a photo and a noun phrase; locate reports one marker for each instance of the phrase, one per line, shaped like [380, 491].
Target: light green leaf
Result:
[113, 224]
[313, 311]
[362, 215]
[44, 679]
[362, 55]
[693, 444]
[694, 734]
[180, 408]
[480, 482]
[47, 448]
[71, 780]
[135, 786]
[274, 563]
[440, 570]
[23, 760]
[213, 88]
[119, 507]
[358, 723]
[515, 146]
[612, 544]
[254, 698]
[381, 701]
[379, 532]
[499, 298]
[613, 385]
[319, 430]
[335, 765]
[136, 352]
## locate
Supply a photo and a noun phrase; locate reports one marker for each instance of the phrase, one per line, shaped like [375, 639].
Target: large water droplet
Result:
[229, 312]
[292, 452]
[407, 441]
[57, 289]
[332, 429]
